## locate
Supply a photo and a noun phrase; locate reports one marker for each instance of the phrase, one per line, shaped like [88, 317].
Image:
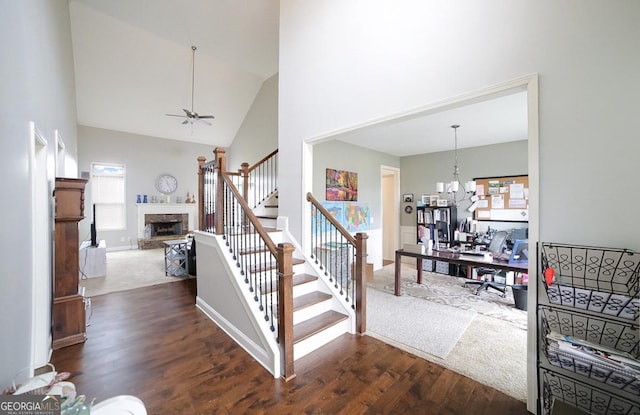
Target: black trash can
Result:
[520, 296]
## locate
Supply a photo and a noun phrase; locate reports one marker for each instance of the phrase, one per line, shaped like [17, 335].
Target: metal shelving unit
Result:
[588, 308]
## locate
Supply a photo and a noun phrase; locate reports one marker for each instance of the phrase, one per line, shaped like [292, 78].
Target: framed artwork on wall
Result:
[407, 198]
[341, 185]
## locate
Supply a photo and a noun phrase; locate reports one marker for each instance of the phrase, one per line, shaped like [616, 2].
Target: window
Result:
[107, 190]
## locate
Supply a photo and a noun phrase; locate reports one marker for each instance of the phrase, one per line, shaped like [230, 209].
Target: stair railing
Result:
[342, 257]
[260, 180]
[267, 269]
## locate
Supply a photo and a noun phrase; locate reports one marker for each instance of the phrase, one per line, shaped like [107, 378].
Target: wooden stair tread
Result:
[303, 279]
[307, 300]
[308, 328]
[267, 217]
[271, 206]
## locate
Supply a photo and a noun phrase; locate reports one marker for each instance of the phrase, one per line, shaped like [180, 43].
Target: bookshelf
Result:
[443, 221]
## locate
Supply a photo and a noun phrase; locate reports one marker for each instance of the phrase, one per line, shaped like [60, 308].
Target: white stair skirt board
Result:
[318, 340]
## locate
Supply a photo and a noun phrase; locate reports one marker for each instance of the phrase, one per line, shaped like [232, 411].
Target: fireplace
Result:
[159, 222]
[166, 224]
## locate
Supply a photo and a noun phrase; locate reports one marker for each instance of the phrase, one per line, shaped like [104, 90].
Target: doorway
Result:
[366, 133]
[390, 191]
[41, 246]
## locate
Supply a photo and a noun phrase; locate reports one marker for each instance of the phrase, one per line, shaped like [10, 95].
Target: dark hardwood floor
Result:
[155, 344]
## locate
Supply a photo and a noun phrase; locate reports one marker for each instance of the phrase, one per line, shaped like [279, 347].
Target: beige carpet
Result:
[436, 330]
[129, 269]
[491, 350]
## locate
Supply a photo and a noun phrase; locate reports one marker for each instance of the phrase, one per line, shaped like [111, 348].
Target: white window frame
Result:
[97, 199]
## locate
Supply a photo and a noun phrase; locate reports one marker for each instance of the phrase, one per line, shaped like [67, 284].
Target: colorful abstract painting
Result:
[342, 185]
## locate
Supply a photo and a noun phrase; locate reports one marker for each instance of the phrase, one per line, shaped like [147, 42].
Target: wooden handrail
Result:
[331, 219]
[265, 158]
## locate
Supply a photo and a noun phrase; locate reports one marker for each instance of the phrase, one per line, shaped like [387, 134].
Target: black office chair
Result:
[496, 247]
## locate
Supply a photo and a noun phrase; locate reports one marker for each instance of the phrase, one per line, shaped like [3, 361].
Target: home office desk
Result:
[454, 258]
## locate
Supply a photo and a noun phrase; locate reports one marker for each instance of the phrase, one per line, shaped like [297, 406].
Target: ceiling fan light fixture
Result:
[191, 116]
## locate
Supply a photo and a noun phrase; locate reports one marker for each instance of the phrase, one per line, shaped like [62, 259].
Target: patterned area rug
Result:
[445, 289]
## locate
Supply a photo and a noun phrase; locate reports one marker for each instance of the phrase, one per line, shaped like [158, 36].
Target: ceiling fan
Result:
[190, 115]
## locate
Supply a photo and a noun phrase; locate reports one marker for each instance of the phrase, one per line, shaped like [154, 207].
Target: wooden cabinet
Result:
[69, 322]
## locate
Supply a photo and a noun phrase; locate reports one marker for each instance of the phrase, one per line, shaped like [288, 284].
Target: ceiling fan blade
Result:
[189, 113]
[203, 121]
[175, 115]
[185, 121]
[206, 116]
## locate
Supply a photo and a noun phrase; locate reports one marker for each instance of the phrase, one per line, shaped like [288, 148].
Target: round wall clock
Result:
[408, 208]
[166, 184]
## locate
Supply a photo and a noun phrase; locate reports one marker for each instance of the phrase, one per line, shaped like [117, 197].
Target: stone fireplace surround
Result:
[187, 212]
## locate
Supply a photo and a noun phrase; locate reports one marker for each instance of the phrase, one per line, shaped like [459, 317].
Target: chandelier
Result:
[452, 188]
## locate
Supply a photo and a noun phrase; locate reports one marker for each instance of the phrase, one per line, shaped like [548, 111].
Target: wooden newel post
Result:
[361, 283]
[285, 309]
[201, 222]
[244, 173]
[221, 167]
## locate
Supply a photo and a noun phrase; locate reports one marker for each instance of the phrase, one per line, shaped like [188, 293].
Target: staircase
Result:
[267, 211]
[318, 315]
[298, 303]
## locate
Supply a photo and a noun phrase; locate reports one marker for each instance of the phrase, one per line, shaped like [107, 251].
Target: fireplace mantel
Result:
[190, 209]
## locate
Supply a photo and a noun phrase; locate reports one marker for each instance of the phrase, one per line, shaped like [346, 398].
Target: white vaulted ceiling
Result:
[133, 63]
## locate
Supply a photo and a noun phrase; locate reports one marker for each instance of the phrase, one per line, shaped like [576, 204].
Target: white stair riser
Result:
[302, 289]
[311, 311]
[316, 341]
[268, 223]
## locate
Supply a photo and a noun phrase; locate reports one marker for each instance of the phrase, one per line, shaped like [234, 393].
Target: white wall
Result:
[36, 79]
[346, 62]
[145, 159]
[258, 135]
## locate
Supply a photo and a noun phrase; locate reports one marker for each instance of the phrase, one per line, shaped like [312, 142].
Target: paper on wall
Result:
[484, 214]
[497, 202]
[517, 204]
[516, 191]
[510, 214]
